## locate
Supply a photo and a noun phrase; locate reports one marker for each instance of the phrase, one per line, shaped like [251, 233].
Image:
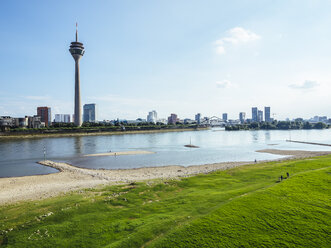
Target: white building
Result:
[62, 118]
[152, 116]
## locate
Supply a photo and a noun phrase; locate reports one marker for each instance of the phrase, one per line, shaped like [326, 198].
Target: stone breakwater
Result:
[71, 178]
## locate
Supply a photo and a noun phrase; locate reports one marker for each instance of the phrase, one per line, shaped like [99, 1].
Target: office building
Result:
[45, 115]
[267, 117]
[172, 119]
[152, 116]
[242, 117]
[254, 114]
[90, 112]
[77, 51]
[225, 116]
[259, 116]
[198, 118]
[62, 118]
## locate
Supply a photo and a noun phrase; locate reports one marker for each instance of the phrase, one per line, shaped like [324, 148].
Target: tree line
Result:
[277, 125]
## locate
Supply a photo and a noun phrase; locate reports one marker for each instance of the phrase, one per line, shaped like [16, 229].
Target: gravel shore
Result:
[71, 178]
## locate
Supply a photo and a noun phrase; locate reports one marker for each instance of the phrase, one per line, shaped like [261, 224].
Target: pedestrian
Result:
[287, 174]
[255, 161]
[281, 177]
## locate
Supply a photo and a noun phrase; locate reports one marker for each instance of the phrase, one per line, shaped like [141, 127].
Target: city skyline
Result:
[198, 59]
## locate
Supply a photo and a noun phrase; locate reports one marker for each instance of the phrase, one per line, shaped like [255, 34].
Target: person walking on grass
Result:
[287, 174]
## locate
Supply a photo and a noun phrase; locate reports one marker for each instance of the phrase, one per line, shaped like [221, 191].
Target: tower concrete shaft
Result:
[77, 51]
[78, 105]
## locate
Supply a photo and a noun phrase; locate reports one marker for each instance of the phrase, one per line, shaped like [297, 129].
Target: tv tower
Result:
[77, 51]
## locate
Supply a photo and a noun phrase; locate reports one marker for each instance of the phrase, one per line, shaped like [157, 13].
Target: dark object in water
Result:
[191, 146]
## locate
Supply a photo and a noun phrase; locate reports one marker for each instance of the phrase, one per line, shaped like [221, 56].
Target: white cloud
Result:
[220, 49]
[235, 36]
[224, 84]
[308, 84]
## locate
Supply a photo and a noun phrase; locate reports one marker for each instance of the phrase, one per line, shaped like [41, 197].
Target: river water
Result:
[18, 157]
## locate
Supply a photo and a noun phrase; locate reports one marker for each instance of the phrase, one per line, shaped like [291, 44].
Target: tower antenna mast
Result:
[76, 32]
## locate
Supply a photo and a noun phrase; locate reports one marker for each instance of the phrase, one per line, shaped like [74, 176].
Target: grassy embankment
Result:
[241, 207]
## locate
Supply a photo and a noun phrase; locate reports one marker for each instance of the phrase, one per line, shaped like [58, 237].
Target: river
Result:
[18, 157]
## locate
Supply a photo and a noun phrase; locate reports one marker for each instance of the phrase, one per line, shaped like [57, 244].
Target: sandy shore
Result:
[119, 153]
[72, 178]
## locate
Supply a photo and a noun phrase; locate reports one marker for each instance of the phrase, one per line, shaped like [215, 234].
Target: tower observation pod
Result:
[77, 51]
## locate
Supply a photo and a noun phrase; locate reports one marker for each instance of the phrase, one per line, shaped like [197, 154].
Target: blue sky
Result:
[183, 57]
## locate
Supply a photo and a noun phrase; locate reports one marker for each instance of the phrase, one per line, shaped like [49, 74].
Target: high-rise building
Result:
[62, 118]
[77, 52]
[66, 118]
[198, 118]
[267, 114]
[172, 119]
[90, 112]
[259, 116]
[242, 117]
[152, 116]
[225, 116]
[254, 114]
[45, 115]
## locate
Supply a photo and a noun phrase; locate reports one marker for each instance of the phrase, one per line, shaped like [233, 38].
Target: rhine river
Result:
[18, 157]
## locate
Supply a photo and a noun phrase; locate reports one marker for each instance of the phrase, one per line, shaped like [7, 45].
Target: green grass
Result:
[241, 207]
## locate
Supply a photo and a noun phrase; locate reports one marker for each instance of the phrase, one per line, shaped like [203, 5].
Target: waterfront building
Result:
[254, 114]
[45, 115]
[77, 51]
[198, 118]
[90, 112]
[225, 116]
[152, 116]
[62, 118]
[242, 117]
[267, 117]
[23, 122]
[259, 116]
[35, 121]
[6, 121]
[163, 121]
[172, 119]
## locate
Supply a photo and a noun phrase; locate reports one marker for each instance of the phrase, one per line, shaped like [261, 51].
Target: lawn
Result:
[241, 207]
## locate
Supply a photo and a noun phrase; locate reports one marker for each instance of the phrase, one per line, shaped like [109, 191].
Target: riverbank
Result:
[75, 134]
[72, 178]
[246, 206]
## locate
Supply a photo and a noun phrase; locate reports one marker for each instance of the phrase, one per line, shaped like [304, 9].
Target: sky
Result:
[184, 57]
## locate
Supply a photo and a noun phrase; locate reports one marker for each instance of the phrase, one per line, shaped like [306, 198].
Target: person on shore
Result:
[255, 161]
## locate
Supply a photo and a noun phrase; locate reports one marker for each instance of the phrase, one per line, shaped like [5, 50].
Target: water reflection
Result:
[78, 145]
[255, 136]
[267, 136]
